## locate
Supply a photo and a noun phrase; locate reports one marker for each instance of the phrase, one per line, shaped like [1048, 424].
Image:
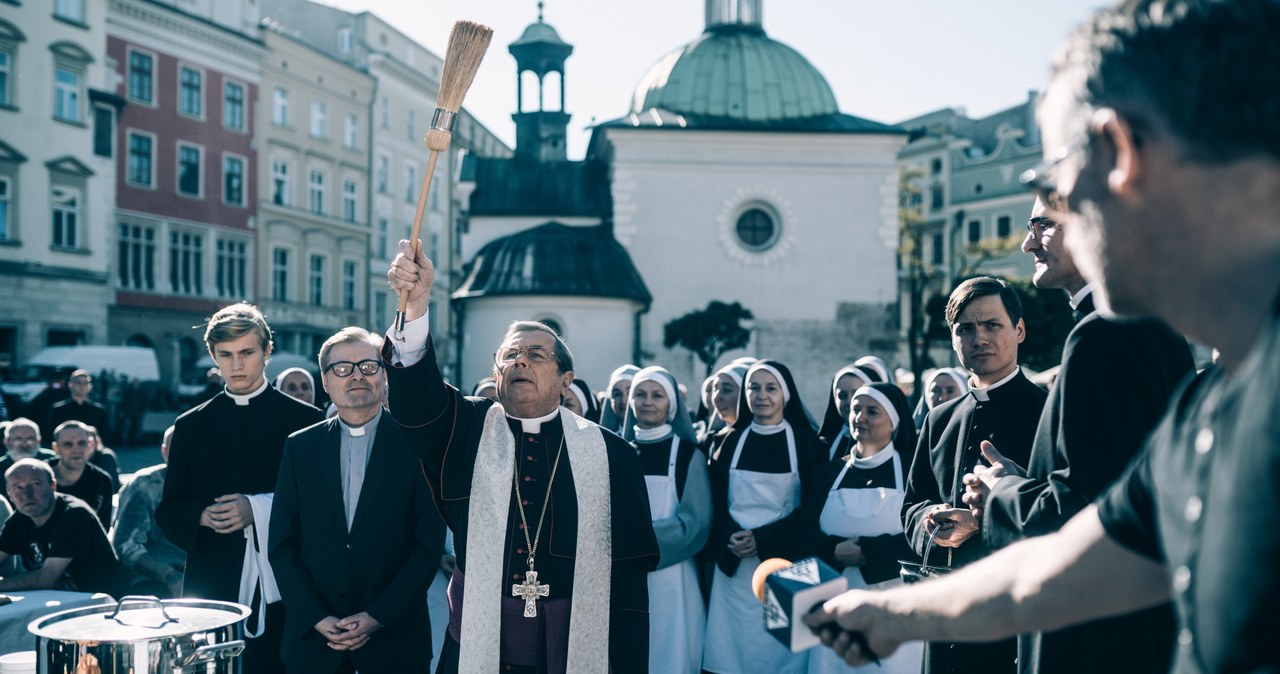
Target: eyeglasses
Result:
[344, 368]
[534, 355]
[1039, 225]
[1037, 178]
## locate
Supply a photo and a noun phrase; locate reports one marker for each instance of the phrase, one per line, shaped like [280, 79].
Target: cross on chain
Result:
[529, 591]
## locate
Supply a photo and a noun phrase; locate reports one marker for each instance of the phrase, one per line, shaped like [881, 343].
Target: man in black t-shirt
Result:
[1163, 160]
[57, 537]
[74, 442]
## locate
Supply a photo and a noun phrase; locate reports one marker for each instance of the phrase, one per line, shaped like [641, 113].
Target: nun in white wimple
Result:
[852, 519]
[614, 408]
[759, 474]
[835, 423]
[675, 474]
[942, 385]
[297, 383]
[876, 363]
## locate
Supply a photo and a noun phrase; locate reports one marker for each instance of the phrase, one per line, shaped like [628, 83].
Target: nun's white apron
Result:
[853, 513]
[737, 642]
[677, 619]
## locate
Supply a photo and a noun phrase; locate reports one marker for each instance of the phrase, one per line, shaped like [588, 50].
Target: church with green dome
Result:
[733, 176]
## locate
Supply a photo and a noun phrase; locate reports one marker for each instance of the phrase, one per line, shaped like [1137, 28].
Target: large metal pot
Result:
[142, 635]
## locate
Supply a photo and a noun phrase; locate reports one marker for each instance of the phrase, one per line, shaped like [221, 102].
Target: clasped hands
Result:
[228, 514]
[350, 633]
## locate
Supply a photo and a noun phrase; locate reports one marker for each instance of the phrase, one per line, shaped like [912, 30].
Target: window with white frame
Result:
[280, 107]
[233, 180]
[350, 126]
[380, 309]
[349, 285]
[317, 119]
[66, 94]
[186, 263]
[229, 273]
[190, 91]
[140, 166]
[136, 257]
[349, 187]
[280, 274]
[412, 127]
[315, 191]
[381, 174]
[6, 71]
[233, 106]
[410, 182]
[315, 281]
[65, 202]
[6, 208]
[71, 10]
[344, 40]
[280, 187]
[141, 76]
[189, 170]
[435, 194]
[384, 113]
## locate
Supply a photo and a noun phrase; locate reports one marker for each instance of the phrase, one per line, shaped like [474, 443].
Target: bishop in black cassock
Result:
[445, 429]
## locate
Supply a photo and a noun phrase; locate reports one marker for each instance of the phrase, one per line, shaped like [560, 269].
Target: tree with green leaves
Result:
[709, 332]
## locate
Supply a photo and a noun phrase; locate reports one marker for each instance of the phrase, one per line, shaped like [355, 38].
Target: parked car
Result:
[126, 362]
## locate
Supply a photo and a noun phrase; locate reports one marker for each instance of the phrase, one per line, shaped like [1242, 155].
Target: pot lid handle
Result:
[141, 598]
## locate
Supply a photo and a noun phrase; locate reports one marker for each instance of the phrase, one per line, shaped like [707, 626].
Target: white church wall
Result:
[678, 195]
[598, 332]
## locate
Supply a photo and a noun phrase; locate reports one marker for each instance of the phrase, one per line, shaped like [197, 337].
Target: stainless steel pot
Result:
[142, 635]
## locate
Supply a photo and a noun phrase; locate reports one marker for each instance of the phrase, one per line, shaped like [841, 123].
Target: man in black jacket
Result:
[352, 561]
[223, 463]
[1093, 425]
[1002, 406]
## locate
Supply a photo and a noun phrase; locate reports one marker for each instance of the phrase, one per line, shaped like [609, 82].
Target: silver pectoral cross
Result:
[529, 591]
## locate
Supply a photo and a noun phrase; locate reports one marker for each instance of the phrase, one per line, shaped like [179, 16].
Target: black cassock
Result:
[949, 448]
[220, 448]
[1115, 382]
[443, 428]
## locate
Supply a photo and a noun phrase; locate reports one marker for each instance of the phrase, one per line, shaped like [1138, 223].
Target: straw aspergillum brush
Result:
[467, 44]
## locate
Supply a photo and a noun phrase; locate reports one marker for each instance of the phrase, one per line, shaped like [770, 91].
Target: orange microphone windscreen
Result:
[766, 567]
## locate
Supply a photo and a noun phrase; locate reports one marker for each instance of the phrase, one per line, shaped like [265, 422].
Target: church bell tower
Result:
[541, 133]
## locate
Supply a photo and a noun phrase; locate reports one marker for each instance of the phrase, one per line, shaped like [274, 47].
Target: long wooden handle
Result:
[415, 243]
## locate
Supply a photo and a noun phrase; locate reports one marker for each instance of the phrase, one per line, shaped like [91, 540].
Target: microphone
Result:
[789, 591]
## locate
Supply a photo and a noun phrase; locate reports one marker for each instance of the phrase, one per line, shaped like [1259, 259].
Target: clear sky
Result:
[886, 60]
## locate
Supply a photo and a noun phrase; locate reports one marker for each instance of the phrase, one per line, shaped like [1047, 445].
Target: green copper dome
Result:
[735, 72]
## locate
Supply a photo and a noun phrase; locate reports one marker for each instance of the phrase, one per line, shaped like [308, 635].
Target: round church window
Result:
[757, 229]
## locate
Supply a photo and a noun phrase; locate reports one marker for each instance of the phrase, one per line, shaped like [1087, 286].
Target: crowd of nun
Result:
[754, 475]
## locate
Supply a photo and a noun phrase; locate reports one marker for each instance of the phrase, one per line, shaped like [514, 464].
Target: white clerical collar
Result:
[242, 400]
[535, 425]
[359, 431]
[768, 429]
[652, 434]
[1082, 293]
[983, 393]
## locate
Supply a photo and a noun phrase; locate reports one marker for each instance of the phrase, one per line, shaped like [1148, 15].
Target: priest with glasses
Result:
[549, 512]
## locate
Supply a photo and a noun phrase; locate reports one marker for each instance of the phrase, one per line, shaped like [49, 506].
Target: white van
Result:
[134, 362]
